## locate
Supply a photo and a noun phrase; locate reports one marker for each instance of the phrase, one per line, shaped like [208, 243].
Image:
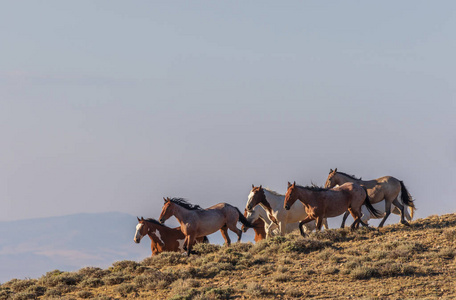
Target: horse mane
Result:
[313, 188]
[185, 204]
[272, 192]
[153, 221]
[350, 176]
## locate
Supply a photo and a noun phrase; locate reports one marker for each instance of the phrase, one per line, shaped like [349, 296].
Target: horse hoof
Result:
[405, 223]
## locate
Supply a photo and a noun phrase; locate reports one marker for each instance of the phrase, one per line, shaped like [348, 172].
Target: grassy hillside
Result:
[394, 262]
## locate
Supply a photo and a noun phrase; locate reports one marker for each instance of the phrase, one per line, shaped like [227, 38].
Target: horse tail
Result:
[412, 211]
[369, 206]
[243, 220]
[406, 197]
[205, 240]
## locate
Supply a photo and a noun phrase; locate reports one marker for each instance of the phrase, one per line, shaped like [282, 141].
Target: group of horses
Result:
[270, 213]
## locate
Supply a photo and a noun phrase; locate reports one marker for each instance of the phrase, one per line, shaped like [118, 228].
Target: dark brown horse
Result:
[323, 203]
[197, 222]
[162, 237]
[385, 188]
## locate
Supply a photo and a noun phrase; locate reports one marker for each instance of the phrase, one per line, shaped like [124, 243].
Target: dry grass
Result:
[395, 262]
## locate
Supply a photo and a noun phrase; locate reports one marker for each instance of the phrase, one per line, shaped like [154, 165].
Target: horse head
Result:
[331, 180]
[141, 230]
[252, 216]
[290, 196]
[256, 196]
[167, 210]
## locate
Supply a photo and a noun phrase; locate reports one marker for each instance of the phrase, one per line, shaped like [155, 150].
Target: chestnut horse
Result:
[258, 226]
[272, 202]
[327, 203]
[162, 237]
[385, 188]
[197, 222]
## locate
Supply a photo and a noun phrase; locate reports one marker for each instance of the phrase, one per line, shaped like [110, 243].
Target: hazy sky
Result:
[109, 105]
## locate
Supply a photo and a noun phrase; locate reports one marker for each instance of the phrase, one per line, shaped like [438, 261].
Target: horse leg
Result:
[301, 224]
[401, 208]
[224, 231]
[269, 230]
[344, 219]
[190, 242]
[356, 214]
[233, 228]
[353, 226]
[325, 223]
[185, 243]
[319, 223]
[282, 228]
[387, 213]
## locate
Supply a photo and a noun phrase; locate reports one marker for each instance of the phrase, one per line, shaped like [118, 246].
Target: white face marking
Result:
[138, 235]
[181, 244]
[159, 236]
[249, 199]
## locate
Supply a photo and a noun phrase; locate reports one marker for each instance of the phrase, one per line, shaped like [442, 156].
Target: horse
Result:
[273, 202]
[162, 237]
[271, 228]
[197, 222]
[385, 188]
[380, 207]
[323, 203]
[259, 226]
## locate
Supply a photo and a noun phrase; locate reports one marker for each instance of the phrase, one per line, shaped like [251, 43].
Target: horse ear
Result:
[142, 219]
[294, 183]
[253, 186]
[289, 184]
[330, 171]
[164, 199]
[335, 170]
[138, 219]
[261, 186]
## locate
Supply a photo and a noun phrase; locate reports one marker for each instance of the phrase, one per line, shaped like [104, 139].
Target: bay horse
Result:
[385, 188]
[259, 226]
[197, 222]
[162, 237]
[323, 203]
[273, 204]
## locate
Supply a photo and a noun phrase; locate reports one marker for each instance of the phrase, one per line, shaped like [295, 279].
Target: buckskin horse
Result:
[323, 203]
[385, 188]
[197, 222]
[162, 237]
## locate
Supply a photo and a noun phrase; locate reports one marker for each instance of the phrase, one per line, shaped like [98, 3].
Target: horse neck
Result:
[151, 228]
[341, 179]
[305, 196]
[262, 214]
[275, 201]
[181, 213]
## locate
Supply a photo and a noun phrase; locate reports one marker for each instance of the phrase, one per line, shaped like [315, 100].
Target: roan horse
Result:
[327, 203]
[380, 206]
[162, 237]
[385, 188]
[197, 222]
[273, 203]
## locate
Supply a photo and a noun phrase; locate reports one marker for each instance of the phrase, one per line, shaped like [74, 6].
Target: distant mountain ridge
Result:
[30, 248]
